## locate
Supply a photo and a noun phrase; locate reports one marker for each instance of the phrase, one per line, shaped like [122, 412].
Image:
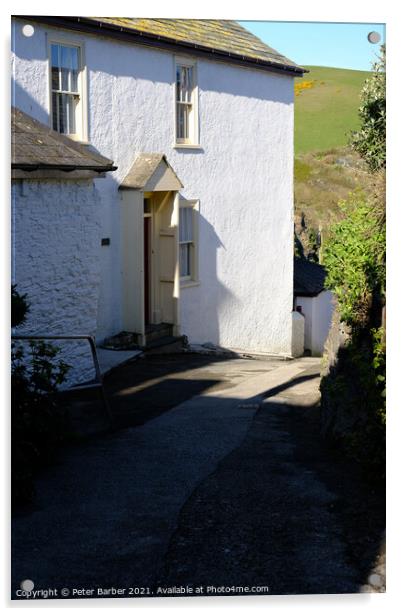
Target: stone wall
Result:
[334, 422]
[55, 260]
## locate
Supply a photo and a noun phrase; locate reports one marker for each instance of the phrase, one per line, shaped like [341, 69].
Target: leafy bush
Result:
[19, 307]
[370, 140]
[353, 392]
[354, 256]
[38, 425]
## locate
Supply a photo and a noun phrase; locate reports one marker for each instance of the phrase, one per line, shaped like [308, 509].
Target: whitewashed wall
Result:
[323, 309]
[317, 312]
[297, 334]
[242, 175]
[306, 304]
[56, 234]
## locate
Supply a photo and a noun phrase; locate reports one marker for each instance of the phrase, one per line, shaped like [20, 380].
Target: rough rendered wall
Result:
[242, 174]
[297, 334]
[318, 314]
[323, 309]
[55, 236]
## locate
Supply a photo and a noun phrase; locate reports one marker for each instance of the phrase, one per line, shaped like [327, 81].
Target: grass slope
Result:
[326, 112]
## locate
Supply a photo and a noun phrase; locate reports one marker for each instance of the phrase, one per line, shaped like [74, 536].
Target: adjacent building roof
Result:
[36, 146]
[308, 277]
[223, 39]
[151, 171]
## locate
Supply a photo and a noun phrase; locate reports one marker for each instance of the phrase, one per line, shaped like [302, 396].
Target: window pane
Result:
[183, 121]
[71, 103]
[185, 269]
[186, 224]
[184, 83]
[65, 68]
[180, 121]
[55, 120]
[55, 67]
[66, 110]
[178, 83]
[69, 60]
[74, 68]
[61, 113]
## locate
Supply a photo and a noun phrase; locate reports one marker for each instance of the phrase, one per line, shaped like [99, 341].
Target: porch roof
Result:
[151, 171]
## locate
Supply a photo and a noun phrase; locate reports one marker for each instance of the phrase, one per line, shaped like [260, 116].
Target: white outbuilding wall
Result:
[242, 175]
[317, 312]
[55, 230]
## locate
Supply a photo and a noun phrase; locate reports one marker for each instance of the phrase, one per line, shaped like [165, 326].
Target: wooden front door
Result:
[147, 269]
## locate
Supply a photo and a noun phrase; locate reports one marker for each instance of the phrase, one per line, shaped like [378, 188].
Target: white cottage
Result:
[195, 226]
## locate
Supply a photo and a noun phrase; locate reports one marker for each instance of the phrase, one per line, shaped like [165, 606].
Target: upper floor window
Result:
[67, 105]
[186, 103]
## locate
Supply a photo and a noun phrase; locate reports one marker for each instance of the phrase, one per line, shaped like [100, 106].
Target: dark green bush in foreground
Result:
[353, 392]
[38, 425]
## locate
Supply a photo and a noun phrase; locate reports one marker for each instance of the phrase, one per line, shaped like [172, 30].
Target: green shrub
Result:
[38, 424]
[354, 256]
[353, 392]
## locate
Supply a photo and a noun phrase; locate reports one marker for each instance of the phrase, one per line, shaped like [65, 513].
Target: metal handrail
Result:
[98, 373]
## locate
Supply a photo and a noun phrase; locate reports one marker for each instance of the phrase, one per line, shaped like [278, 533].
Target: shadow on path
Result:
[212, 492]
[280, 511]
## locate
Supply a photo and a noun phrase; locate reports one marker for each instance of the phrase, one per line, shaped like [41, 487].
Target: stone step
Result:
[154, 332]
[166, 344]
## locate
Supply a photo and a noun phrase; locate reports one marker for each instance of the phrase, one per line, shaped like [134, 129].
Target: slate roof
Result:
[223, 35]
[308, 277]
[223, 39]
[36, 146]
[143, 168]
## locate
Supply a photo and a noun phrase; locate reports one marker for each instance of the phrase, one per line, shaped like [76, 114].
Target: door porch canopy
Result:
[151, 172]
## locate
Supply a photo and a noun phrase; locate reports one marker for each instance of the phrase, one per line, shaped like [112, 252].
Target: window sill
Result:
[76, 139]
[187, 146]
[184, 284]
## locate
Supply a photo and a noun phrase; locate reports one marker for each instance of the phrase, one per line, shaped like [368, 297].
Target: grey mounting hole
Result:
[27, 585]
[374, 37]
[28, 30]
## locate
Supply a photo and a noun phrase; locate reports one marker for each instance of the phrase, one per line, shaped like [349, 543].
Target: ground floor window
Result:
[188, 240]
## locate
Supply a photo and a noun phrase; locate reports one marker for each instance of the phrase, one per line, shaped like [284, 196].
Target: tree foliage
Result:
[369, 141]
[353, 391]
[354, 256]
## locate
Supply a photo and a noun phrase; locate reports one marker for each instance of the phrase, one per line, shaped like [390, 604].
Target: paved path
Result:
[231, 486]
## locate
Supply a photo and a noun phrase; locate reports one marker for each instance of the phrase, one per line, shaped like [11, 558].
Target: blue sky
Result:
[342, 45]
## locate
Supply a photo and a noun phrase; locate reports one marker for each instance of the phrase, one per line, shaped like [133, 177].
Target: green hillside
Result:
[326, 104]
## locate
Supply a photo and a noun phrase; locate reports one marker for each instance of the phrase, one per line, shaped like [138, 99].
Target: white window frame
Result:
[193, 139]
[193, 278]
[81, 119]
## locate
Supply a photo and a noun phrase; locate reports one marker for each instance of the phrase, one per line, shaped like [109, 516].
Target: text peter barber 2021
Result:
[139, 591]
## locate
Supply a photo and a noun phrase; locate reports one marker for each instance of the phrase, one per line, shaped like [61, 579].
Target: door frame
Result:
[133, 311]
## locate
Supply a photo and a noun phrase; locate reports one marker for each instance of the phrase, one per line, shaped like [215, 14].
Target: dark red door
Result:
[147, 267]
